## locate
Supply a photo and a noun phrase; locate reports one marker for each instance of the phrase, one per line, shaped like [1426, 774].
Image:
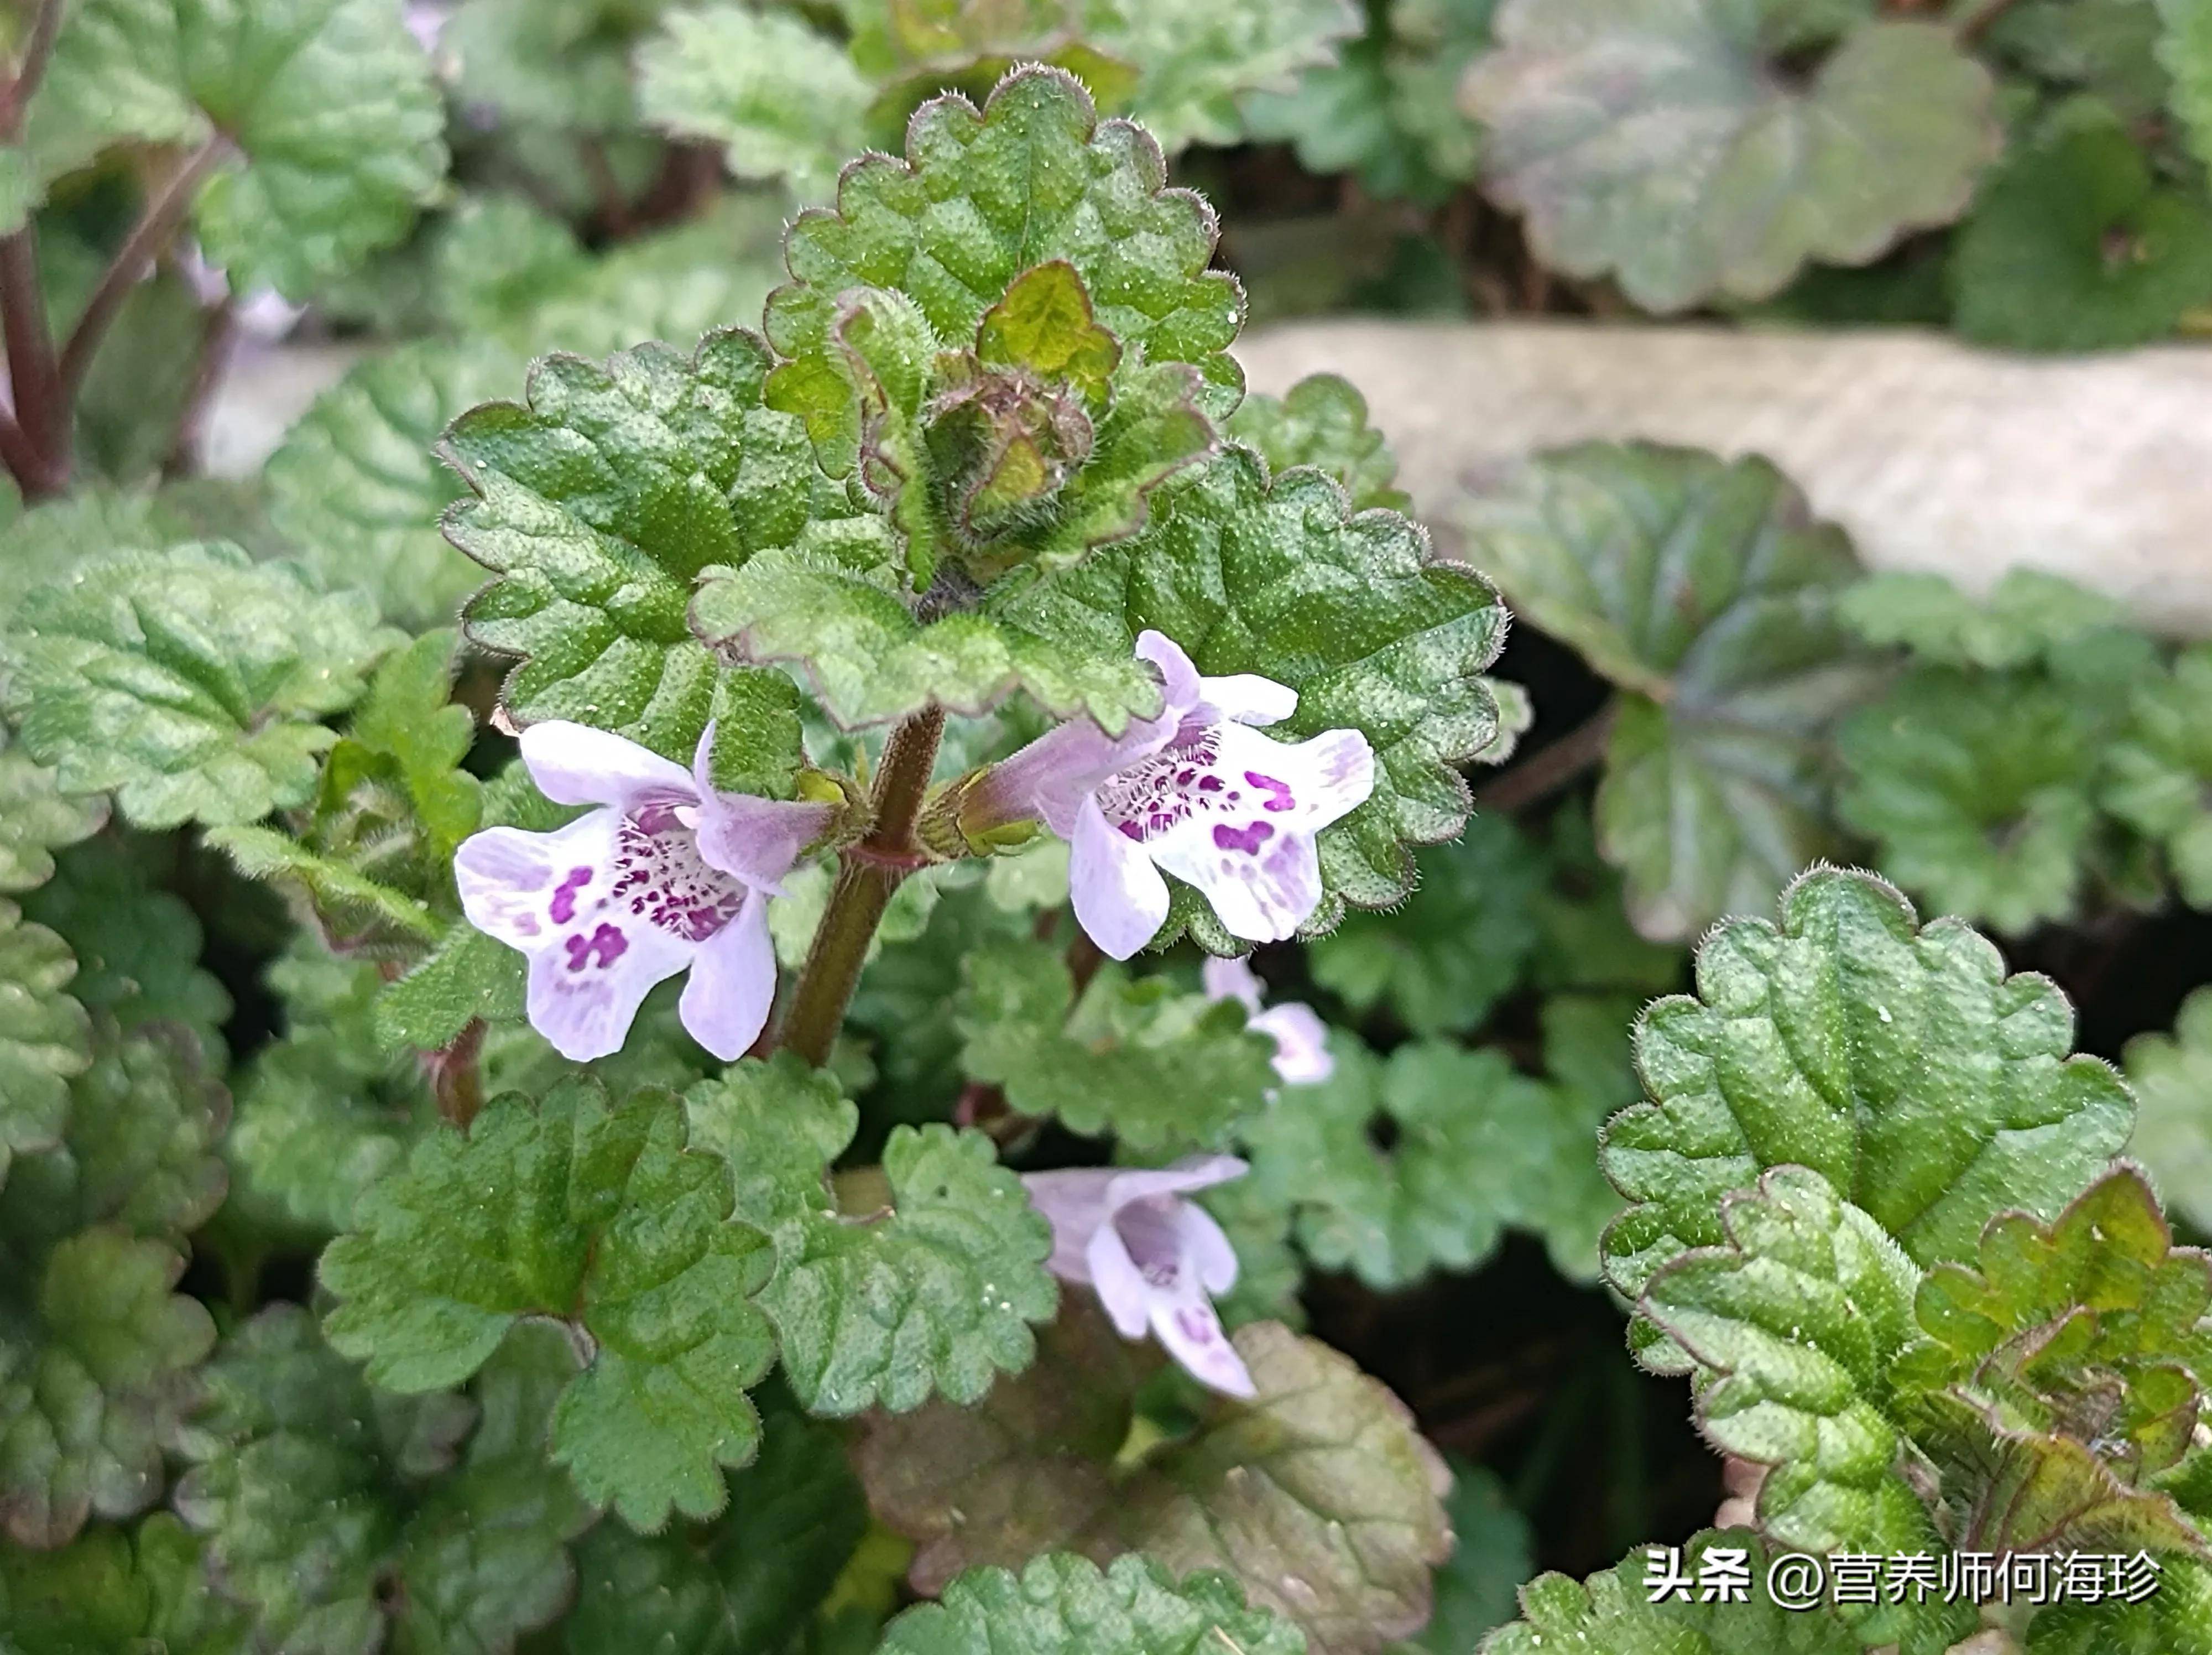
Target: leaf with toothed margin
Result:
[358, 484]
[2160, 775]
[1897, 1060]
[1318, 1492]
[191, 681]
[611, 1224]
[38, 818]
[1706, 590]
[1665, 144]
[1152, 1063]
[45, 1035]
[1198, 65]
[597, 505]
[1322, 421]
[929, 1289]
[140, 1589]
[1794, 1323]
[982, 198]
[1060, 1604]
[1350, 610]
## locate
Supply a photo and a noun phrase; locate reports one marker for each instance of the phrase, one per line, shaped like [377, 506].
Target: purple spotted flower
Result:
[1197, 791]
[667, 874]
[1302, 1055]
[1153, 1258]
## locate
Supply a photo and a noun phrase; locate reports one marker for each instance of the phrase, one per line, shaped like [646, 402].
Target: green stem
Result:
[867, 873]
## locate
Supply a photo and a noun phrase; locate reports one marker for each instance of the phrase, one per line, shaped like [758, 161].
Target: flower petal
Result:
[1120, 899]
[1075, 1203]
[1231, 979]
[732, 986]
[584, 994]
[1206, 1246]
[1302, 1053]
[1262, 880]
[758, 839]
[1248, 698]
[1053, 775]
[1179, 680]
[1184, 1321]
[576, 764]
[1130, 1184]
[523, 888]
[1121, 1287]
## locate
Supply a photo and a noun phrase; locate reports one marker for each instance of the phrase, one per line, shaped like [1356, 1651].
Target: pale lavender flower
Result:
[1197, 791]
[1302, 1055]
[1153, 1258]
[668, 874]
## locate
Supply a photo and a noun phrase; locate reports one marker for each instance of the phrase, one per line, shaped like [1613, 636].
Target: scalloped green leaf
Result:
[1978, 791]
[2177, 1620]
[980, 198]
[1897, 1060]
[2159, 775]
[1611, 1613]
[1352, 611]
[1468, 1142]
[926, 1288]
[2028, 616]
[331, 126]
[1705, 589]
[190, 682]
[138, 946]
[1318, 1494]
[2075, 245]
[1322, 421]
[551, 63]
[1140, 1057]
[1794, 1323]
[1197, 65]
[750, 1582]
[37, 819]
[2092, 1326]
[45, 1035]
[783, 99]
[2171, 1076]
[143, 1588]
[598, 505]
[1064, 1605]
[1668, 146]
[1456, 948]
[611, 1224]
[358, 486]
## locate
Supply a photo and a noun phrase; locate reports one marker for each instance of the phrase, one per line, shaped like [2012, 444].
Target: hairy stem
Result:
[457, 1075]
[868, 874]
[218, 339]
[145, 243]
[1549, 769]
[42, 411]
[38, 51]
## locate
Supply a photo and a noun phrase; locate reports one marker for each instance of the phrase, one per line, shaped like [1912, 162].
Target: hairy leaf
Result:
[929, 1289]
[1140, 1058]
[1322, 421]
[357, 486]
[2073, 244]
[1196, 64]
[1441, 963]
[1064, 1605]
[2177, 1620]
[611, 1224]
[1896, 1059]
[45, 1035]
[2159, 776]
[1318, 1494]
[329, 130]
[2025, 618]
[1706, 590]
[188, 681]
[1794, 1323]
[598, 505]
[1663, 144]
[784, 102]
[1978, 790]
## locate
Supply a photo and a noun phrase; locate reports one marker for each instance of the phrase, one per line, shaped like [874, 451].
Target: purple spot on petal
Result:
[1197, 1326]
[1131, 830]
[563, 906]
[1209, 784]
[1281, 797]
[606, 944]
[1246, 839]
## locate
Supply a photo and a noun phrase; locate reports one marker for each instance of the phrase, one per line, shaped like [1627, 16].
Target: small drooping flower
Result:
[667, 874]
[1153, 1258]
[1197, 791]
[1302, 1053]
